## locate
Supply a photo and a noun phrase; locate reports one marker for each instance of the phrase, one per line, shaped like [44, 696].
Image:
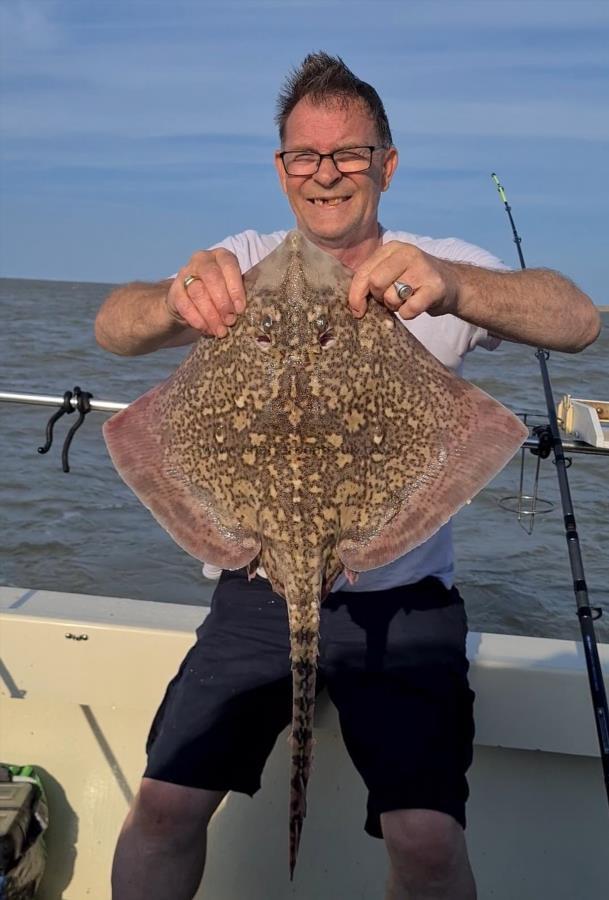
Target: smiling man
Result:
[334, 189]
[408, 724]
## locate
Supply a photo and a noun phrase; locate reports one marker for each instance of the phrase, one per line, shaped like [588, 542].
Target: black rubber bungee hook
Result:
[65, 408]
[83, 406]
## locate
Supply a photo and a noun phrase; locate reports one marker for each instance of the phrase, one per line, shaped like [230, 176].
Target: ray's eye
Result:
[263, 338]
[324, 333]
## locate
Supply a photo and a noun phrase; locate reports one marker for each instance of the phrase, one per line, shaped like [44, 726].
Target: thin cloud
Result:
[109, 109]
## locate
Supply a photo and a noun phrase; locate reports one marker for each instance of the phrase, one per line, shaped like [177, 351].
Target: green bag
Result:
[23, 820]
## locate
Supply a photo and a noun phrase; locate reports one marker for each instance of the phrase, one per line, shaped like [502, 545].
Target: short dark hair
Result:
[323, 78]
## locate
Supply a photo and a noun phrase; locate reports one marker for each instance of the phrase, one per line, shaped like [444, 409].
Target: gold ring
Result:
[403, 290]
[189, 280]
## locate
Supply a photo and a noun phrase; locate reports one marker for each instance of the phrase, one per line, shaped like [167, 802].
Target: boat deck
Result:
[79, 709]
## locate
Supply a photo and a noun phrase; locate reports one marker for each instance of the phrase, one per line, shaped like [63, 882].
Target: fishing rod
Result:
[585, 612]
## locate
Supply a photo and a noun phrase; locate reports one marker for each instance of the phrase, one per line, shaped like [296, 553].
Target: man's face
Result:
[333, 209]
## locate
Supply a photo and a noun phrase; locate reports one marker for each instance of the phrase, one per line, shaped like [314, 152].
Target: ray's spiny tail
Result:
[303, 612]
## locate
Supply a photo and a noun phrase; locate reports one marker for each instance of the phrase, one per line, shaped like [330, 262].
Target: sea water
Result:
[86, 532]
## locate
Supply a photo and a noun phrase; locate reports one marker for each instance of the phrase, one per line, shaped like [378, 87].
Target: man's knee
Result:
[423, 843]
[164, 809]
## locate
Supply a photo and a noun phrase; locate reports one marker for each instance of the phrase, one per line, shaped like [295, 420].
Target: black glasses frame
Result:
[331, 156]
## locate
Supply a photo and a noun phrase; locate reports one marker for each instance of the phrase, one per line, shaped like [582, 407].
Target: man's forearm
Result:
[536, 306]
[135, 319]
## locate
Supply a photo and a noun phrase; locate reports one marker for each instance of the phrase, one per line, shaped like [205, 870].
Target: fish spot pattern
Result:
[274, 446]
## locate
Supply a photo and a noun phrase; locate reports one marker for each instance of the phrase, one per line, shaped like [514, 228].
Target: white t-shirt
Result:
[449, 339]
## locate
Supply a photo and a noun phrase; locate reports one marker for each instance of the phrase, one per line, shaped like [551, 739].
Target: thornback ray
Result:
[309, 442]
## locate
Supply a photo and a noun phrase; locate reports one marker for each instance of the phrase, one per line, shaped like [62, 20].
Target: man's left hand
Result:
[434, 282]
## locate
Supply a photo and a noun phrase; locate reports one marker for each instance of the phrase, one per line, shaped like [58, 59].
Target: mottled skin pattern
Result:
[308, 441]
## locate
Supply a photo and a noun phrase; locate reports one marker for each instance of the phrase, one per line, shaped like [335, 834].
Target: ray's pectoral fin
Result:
[463, 453]
[192, 516]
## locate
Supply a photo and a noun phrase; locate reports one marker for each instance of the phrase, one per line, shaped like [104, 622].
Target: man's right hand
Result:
[213, 301]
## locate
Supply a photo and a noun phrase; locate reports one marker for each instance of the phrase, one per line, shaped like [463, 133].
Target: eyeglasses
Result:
[307, 162]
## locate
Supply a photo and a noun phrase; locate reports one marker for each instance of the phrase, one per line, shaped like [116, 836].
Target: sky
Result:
[135, 132]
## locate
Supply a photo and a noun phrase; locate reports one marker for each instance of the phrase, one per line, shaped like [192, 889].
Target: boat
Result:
[82, 676]
[585, 420]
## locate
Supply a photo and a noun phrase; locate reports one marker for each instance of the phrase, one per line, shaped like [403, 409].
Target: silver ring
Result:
[189, 280]
[403, 290]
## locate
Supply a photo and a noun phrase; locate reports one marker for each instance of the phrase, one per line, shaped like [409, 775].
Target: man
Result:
[337, 157]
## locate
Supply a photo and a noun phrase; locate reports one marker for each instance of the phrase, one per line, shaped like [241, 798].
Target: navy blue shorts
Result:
[393, 663]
